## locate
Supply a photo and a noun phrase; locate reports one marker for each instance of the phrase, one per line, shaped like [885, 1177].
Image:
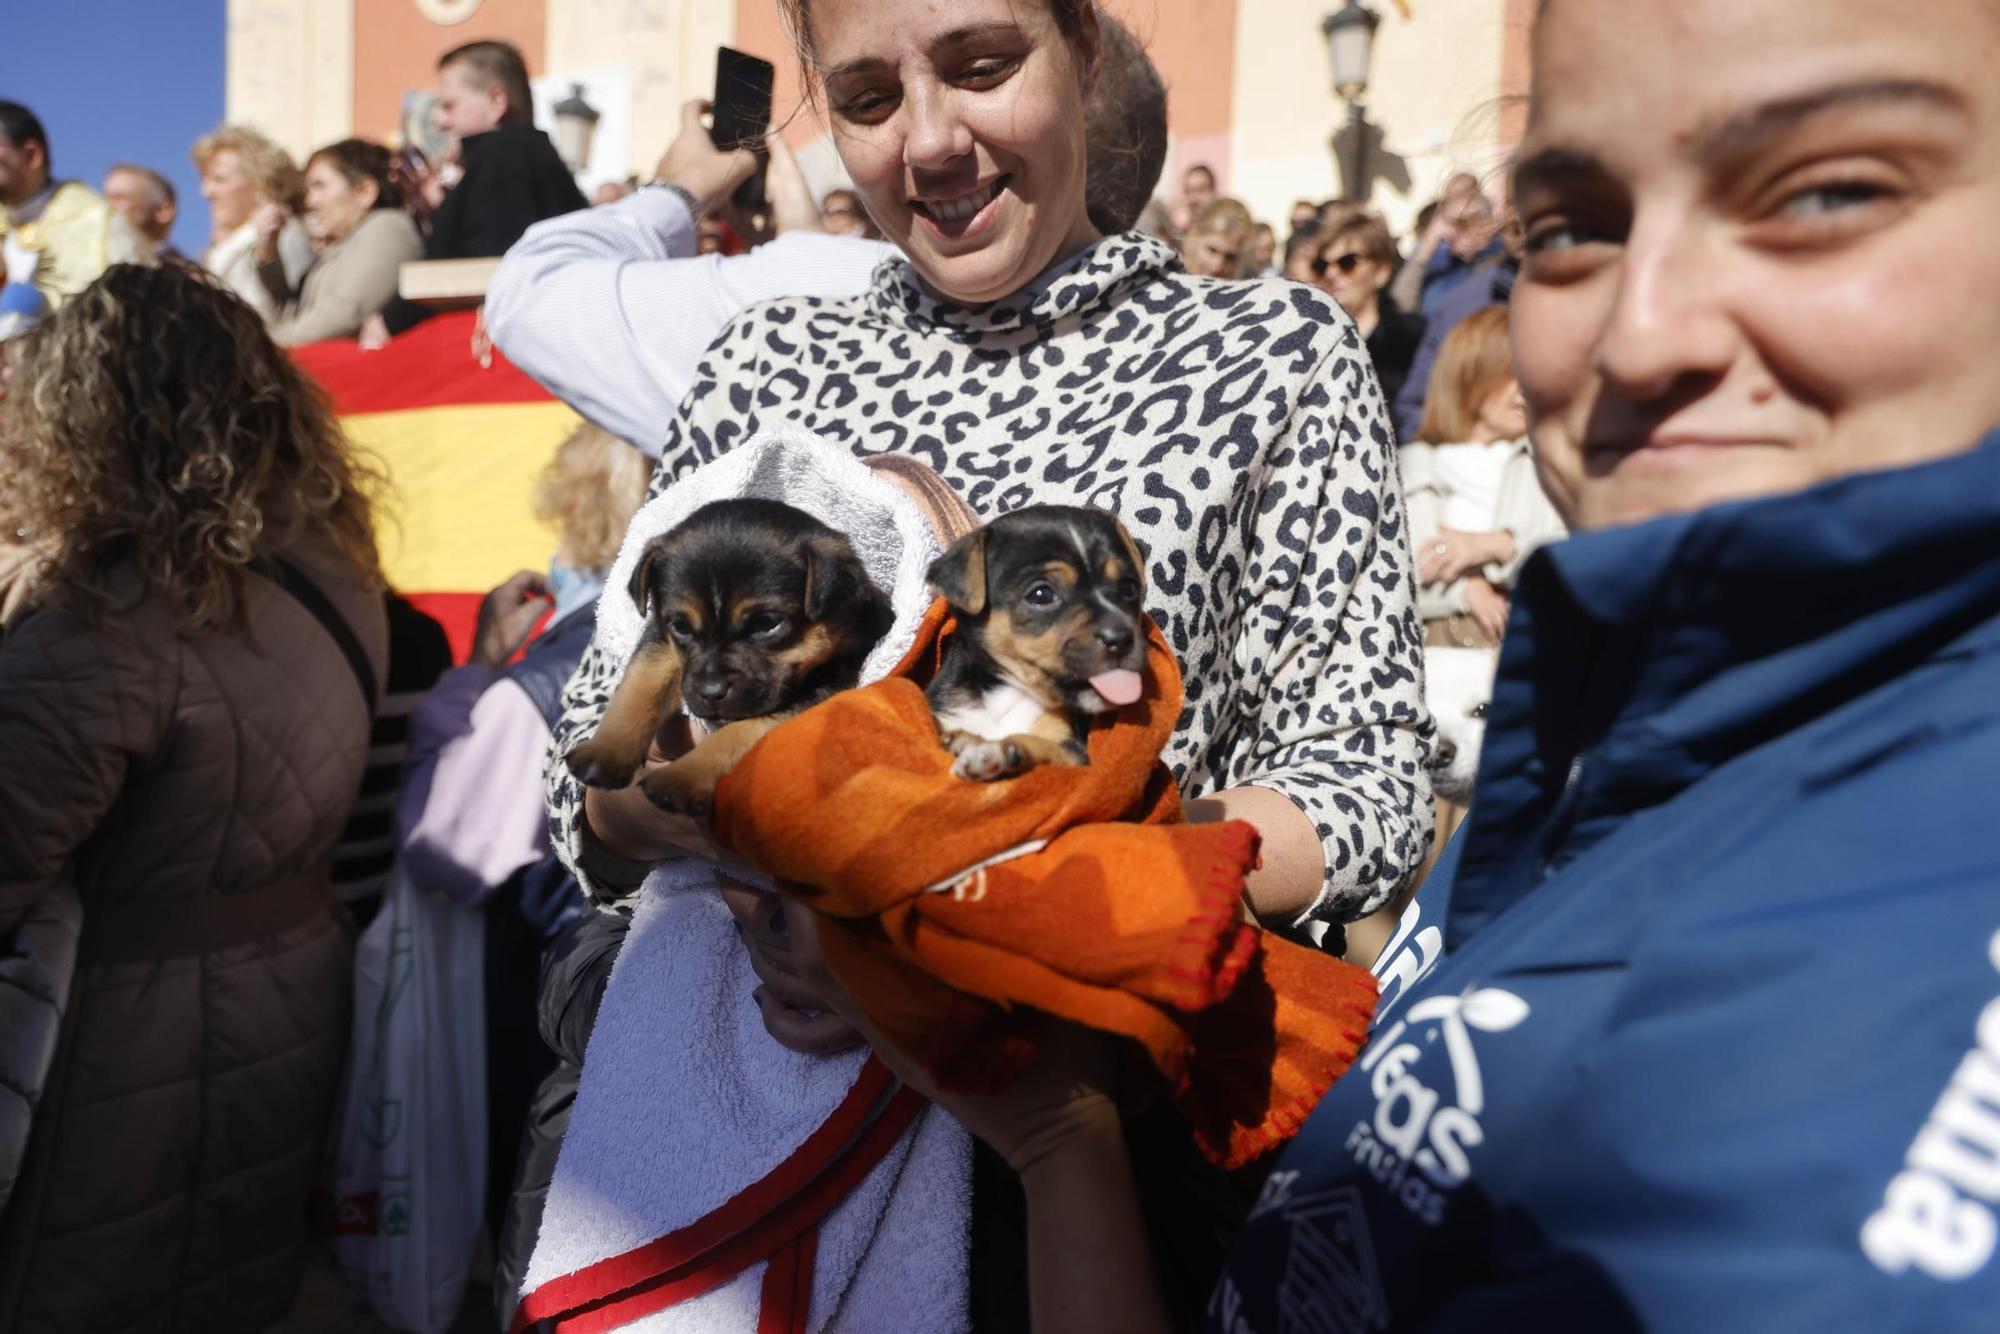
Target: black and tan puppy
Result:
[754, 611]
[1047, 601]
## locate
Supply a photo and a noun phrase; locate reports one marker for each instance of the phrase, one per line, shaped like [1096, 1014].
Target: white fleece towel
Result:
[886, 526]
[685, 1099]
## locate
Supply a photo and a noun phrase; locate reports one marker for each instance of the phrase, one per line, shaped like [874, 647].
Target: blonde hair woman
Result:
[1476, 507]
[183, 729]
[254, 191]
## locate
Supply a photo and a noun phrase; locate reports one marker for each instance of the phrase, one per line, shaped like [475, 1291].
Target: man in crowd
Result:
[510, 175]
[59, 235]
[1197, 193]
[1464, 234]
[146, 198]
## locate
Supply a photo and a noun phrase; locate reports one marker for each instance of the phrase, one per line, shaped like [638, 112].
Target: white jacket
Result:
[1522, 510]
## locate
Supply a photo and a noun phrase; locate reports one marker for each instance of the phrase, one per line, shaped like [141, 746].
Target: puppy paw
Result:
[596, 769]
[984, 761]
[681, 790]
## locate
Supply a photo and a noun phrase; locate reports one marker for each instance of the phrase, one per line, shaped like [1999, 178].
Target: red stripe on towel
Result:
[788, 1287]
[788, 1203]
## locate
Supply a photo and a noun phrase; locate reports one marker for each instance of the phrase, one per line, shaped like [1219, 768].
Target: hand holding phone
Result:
[694, 163]
[742, 113]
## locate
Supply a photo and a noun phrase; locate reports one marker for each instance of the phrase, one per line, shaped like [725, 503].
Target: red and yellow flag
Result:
[462, 445]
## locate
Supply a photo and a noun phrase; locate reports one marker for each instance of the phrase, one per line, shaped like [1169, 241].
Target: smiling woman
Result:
[354, 215]
[1787, 280]
[1234, 427]
[1725, 900]
[967, 144]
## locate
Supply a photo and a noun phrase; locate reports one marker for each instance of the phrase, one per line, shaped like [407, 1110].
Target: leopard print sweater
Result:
[1237, 429]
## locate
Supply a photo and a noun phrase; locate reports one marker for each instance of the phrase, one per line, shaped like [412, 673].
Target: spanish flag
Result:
[462, 444]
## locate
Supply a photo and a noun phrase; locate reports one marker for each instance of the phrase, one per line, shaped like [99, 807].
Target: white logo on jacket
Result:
[1406, 960]
[1417, 1142]
[1937, 1213]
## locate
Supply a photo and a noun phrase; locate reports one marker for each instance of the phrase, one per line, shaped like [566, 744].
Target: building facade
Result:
[1248, 81]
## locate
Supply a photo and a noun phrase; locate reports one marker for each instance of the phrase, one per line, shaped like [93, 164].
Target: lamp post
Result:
[576, 126]
[1350, 46]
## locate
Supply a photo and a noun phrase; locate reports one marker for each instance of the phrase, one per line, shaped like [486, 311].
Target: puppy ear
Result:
[833, 574]
[641, 584]
[1132, 550]
[959, 575]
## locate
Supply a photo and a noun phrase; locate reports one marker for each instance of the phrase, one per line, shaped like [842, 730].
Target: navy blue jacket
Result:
[1715, 1041]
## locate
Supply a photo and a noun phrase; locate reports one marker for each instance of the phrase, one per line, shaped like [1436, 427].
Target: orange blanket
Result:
[1126, 921]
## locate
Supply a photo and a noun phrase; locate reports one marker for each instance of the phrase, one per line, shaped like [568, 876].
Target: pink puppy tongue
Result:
[1121, 687]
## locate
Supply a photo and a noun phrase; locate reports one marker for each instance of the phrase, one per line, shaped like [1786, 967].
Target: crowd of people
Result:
[1687, 1012]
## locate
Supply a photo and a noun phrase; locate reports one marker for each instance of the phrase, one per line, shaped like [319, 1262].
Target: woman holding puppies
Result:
[1232, 427]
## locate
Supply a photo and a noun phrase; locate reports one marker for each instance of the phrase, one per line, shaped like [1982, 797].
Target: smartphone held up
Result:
[742, 112]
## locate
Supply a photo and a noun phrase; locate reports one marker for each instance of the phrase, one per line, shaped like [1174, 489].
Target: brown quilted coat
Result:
[168, 1167]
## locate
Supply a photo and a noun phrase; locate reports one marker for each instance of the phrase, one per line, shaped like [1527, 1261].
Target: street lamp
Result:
[1350, 46]
[576, 126]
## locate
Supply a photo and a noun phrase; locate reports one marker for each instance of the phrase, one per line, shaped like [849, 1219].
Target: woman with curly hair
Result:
[183, 728]
[254, 191]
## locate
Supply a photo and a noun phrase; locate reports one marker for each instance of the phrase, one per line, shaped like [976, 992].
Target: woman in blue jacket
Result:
[1714, 1042]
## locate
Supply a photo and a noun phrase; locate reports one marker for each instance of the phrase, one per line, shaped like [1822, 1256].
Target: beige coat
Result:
[233, 259]
[167, 1171]
[354, 279]
[1523, 510]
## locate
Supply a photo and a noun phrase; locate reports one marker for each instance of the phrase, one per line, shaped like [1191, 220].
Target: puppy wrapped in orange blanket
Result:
[959, 913]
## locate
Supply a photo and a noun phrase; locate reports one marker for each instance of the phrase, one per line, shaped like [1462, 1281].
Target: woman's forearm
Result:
[1090, 1269]
[1293, 865]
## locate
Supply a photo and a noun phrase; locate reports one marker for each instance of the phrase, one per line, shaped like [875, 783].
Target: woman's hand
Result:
[507, 616]
[1446, 557]
[795, 1011]
[420, 183]
[1486, 605]
[1089, 1265]
[1064, 1099]
[696, 165]
[269, 221]
[626, 822]
[374, 334]
[793, 208]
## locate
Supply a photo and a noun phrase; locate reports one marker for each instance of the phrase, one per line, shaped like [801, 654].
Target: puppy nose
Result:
[1117, 640]
[1447, 751]
[712, 688]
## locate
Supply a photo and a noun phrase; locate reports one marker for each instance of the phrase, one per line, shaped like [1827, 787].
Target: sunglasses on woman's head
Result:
[1346, 263]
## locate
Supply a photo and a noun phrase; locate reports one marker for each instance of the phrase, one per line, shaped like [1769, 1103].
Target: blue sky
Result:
[112, 80]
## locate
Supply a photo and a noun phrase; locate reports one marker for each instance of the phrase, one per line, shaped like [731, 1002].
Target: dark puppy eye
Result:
[1041, 595]
[1128, 591]
[763, 625]
[1477, 711]
[680, 627]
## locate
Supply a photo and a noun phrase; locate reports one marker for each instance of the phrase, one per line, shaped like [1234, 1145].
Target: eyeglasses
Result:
[1347, 263]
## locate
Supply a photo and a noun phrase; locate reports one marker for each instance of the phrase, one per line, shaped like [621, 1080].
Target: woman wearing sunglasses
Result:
[1353, 266]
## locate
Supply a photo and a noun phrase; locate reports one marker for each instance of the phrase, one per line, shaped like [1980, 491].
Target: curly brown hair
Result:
[156, 426]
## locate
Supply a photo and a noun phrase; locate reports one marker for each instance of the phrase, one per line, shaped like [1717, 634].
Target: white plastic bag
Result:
[409, 1171]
